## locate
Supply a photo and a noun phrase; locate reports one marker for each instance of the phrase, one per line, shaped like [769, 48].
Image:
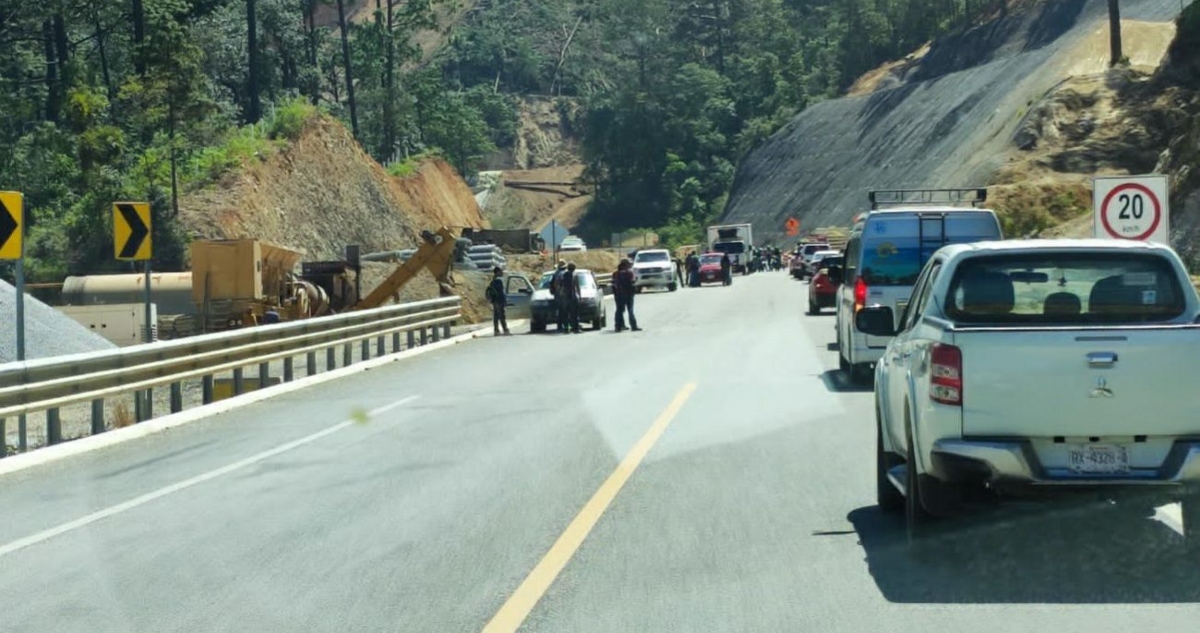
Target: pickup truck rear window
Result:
[1065, 288]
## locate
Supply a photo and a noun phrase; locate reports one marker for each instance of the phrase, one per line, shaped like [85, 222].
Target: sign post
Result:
[1132, 208]
[12, 248]
[132, 242]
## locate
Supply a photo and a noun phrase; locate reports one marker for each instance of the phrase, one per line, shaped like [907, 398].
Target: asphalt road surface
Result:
[712, 473]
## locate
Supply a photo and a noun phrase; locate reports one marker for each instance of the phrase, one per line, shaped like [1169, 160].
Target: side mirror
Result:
[835, 274]
[876, 321]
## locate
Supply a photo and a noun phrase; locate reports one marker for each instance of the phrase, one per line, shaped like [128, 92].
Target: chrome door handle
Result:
[1101, 359]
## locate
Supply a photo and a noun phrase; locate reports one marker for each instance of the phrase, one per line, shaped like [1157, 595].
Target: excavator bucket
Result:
[436, 253]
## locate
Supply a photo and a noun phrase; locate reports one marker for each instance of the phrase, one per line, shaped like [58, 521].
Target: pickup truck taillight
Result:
[860, 294]
[945, 384]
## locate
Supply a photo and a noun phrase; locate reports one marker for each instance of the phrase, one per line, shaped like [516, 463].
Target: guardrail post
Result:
[53, 427]
[446, 330]
[98, 426]
[310, 359]
[412, 339]
[3, 438]
[239, 381]
[289, 369]
[347, 355]
[176, 397]
[264, 375]
[395, 342]
[424, 336]
[149, 406]
[330, 359]
[380, 346]
[206, 389]
[366, 350]
[437, 333]
[139, 413]
[22, 433]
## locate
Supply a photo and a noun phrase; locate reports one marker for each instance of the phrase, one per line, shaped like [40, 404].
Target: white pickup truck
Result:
[1039, 367]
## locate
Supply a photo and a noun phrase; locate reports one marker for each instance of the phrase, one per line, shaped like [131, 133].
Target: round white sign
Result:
[1131, 212]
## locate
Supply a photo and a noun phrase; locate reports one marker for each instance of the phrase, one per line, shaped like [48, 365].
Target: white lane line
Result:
[99, 515]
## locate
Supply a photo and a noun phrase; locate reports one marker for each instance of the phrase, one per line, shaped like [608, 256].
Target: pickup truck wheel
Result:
[813, 310]
[537, 326]
[890, 500]
[672, 287]
[915, 516]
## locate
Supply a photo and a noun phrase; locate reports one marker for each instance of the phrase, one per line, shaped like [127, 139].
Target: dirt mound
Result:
[324, 192]
[530, 198]
[949, 124]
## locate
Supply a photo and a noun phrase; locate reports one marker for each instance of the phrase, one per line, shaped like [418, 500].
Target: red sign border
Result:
[1144, 189]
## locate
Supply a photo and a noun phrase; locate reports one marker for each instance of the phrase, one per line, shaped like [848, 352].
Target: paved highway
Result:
[712, 473]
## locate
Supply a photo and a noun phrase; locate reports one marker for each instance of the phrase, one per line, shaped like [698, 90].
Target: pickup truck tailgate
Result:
[1046, 383]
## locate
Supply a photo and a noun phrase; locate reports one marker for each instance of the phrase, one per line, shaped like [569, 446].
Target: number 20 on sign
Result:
[1132, 208]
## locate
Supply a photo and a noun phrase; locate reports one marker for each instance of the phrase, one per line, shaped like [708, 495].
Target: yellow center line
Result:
[510, 616]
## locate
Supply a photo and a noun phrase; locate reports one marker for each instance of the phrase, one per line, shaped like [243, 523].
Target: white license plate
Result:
[1099, 459]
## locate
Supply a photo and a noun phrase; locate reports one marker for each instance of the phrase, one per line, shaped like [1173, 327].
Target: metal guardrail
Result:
[49, 384]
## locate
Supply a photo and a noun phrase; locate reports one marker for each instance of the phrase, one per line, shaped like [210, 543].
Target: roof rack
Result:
[927, 196]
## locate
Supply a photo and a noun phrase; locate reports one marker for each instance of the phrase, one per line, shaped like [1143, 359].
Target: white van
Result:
[886, 251]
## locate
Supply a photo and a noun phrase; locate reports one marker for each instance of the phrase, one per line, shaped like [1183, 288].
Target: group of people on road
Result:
[692, 264]
[565, 289]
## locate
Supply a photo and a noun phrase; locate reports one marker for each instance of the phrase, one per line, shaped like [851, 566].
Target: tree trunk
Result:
[62, 49]
[53, 94]
[341, 7]
[310, 32]
[389, 98]
[254, 108]
[139, 38]
[109, 88]
[1114, 35]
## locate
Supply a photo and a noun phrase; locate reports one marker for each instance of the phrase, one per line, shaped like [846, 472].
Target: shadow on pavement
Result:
[1100, 553]
[838, 381]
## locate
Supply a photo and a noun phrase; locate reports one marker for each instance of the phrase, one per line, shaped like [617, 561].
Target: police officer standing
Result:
[570, 290]
[560, 303]
[623, 291]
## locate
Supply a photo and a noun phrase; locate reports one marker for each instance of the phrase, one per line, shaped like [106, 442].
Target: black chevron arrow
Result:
[8, 224]
[137, 231]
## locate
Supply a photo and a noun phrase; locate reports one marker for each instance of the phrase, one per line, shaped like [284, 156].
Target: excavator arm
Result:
[435, 253]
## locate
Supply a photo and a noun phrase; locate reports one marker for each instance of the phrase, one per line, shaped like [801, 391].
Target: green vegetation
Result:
[141, 99]
[676, 91]
[144, 99]
[408, 166]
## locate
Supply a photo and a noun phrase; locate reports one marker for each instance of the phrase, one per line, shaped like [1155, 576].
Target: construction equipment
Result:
[237, 283]
[435, 253]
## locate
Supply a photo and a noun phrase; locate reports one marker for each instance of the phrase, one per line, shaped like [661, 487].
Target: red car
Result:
[710, 268]
[822, 292]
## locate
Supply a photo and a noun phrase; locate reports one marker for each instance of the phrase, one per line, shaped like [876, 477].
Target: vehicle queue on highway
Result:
[1013, 369]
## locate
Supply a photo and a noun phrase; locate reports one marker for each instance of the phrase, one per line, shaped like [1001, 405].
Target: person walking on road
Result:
[693, 270]
[623, 292]
[495, 295]
[560, 302]
[726, 270]
[570, 290]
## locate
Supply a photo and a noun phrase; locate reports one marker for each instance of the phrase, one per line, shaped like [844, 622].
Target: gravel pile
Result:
[48, 332]
[949, 125]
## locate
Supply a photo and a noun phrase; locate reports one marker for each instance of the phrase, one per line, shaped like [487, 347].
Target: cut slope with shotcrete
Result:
[949, 124]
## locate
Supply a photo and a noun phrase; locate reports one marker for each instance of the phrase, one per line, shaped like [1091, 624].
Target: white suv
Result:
[654, 269]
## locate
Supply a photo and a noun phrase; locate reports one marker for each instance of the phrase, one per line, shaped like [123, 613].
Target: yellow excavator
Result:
[436, 253]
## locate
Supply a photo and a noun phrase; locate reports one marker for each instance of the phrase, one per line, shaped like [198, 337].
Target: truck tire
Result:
[886, 495]
[672, 286]
[536, 326]
[916, 519]
[1190, 509]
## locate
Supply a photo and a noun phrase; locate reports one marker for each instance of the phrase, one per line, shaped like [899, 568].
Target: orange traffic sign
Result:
[793, 226]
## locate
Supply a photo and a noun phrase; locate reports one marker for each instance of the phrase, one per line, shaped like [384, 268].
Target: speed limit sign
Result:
[1132, 208]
